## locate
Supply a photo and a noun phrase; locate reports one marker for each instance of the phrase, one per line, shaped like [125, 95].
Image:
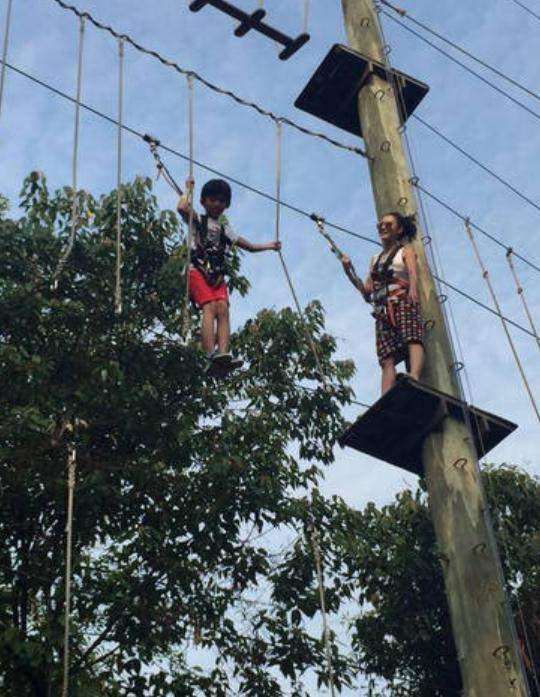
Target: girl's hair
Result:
[218, 188]
[407, 223]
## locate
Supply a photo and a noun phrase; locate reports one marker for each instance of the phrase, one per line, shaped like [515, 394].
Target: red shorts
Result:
[202, 292]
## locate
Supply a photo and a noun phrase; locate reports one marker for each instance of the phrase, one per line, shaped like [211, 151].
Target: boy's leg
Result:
[388, 374]
[208, 328]
[223, 326]
[416, 360]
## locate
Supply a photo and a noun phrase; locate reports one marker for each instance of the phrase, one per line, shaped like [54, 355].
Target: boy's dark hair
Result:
[217, 188]
[407, 223]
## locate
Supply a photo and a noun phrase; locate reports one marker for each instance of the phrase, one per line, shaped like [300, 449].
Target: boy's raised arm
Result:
[183, 206]
[275, 245]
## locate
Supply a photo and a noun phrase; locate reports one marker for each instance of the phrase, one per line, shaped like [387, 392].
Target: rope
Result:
[300, 211]
[309, 336]
[326, 630]
[306, 16]
[485, 274]
[75, 204]
[118, 288]
[183, 71]
[72, 463]
[521, 294]
[4, 52]
[186, 319]
[462, 65]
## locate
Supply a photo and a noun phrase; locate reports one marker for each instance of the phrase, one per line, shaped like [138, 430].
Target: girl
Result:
[392, 288]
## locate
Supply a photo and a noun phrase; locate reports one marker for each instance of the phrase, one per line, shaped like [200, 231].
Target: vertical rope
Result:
[4, 52]
[72, 462]
[306, 16]
[326, 630]
[75, 205]
[118, 286]
[485, 274]
[186, 320]
[279, 133]
[279, 147]
[521, 294]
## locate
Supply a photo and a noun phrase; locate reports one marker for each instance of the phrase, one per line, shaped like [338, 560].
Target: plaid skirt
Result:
[392, 341]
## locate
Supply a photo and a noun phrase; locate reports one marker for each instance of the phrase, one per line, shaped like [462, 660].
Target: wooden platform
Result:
[332, 92]
[394, 428]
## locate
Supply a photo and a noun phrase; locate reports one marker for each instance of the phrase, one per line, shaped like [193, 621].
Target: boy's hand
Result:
[275, 245]
[190, 183]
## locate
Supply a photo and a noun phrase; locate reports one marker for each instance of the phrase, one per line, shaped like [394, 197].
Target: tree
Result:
[403, 634]
[177, 477]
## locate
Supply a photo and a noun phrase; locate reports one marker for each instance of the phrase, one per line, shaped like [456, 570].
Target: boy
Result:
[211, 237]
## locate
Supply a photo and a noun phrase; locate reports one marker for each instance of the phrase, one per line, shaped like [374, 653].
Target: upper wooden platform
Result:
[394, 428]
[332, 92]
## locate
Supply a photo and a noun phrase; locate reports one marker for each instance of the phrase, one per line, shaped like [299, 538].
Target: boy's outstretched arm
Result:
[275, 245]
[357, 282]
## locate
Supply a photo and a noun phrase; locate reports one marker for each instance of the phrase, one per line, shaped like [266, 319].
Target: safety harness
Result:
[210, 257]
[383, 276]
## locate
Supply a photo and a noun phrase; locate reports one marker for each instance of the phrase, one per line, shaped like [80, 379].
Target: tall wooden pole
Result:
[483, 628]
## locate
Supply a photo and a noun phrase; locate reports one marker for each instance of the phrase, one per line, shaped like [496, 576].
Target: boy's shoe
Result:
[236, 363]
[218, 364]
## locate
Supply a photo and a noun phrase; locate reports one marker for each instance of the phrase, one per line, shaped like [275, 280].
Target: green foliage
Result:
[403, 635]
[176, 476]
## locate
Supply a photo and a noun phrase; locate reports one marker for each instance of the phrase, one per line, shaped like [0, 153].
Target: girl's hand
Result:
[346, 261]
[414, 295]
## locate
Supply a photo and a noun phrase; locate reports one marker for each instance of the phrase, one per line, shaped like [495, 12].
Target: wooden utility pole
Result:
[483, 628]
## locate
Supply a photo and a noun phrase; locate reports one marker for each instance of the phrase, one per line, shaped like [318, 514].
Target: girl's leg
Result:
[416, 360]
[388, 374]
[223, 326]
[208, 331]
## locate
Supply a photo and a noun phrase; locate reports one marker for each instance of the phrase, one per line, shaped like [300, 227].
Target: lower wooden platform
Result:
[394, 428]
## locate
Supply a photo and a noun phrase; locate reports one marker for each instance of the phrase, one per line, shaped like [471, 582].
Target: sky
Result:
[36, 132]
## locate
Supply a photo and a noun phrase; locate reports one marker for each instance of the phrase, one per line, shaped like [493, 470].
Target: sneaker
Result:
[236, 363]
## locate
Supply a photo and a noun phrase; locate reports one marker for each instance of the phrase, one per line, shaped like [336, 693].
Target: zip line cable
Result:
[485, 274]
[284, 204]
[416, 182]
[246, 186]
[215, 88]
[521, 294]
[5, 51]
[477, 162]
[462, 50]
[458, 62]
[533, 14]
[75, 202]
[118, 285]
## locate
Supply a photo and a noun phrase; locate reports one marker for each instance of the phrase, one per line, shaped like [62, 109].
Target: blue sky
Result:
[36, 132]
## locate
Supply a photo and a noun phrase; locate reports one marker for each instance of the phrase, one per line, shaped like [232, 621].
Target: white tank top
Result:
[398, 267]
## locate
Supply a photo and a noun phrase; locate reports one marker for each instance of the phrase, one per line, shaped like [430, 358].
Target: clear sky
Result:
[36, 132]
